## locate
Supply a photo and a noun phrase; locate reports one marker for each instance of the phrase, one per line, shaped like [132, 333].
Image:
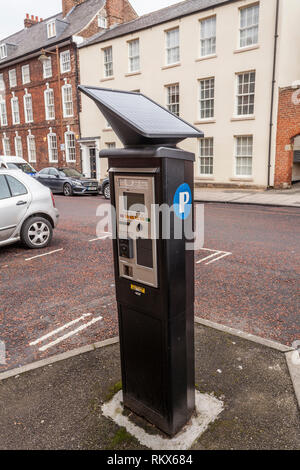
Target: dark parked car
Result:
[105, 188]
[67, 181]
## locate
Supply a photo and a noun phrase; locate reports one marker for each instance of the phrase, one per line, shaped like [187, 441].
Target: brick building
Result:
[39, 101]
[287, 165]
[219, 64]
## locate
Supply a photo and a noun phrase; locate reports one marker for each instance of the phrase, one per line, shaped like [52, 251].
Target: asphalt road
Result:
[247, 277]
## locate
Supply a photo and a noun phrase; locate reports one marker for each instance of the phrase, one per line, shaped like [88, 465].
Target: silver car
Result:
[27, 210]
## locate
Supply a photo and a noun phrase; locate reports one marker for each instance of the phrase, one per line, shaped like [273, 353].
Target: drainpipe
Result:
[75, 51]
[273, 90]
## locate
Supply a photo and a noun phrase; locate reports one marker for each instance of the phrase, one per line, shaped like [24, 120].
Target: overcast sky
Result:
[13, 14]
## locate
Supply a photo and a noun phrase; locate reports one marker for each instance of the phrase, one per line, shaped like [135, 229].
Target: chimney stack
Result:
[67, 5]
[30, 21]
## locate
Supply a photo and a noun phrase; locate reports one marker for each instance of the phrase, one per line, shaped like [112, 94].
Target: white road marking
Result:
[45, 254]
[220, 257]
[208, 257]
[61, 328]
[215, 256]
[71, 333]
[107, 235]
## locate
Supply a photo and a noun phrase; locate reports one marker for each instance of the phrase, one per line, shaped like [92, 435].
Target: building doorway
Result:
[296, 160]
[93, 164]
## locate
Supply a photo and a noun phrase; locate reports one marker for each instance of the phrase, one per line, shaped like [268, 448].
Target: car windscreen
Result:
[12, 166]
[25, 167]
[70, 173]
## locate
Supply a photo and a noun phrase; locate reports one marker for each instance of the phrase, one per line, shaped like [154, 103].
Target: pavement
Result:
[272, 197]
[58, 406]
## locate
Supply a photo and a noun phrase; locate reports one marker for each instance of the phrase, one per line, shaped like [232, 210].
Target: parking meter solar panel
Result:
[138, 120]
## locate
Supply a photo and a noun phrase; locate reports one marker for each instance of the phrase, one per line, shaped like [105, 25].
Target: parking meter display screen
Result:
[133, 199]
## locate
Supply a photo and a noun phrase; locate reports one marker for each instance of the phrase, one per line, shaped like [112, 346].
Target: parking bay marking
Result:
[58, 330]
[215, 256]
[44, 254]
[67, 335]
[106, 235]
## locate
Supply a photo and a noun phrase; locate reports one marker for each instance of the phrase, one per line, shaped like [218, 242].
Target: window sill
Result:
[246, 49]
[242, 179]
[205, 121]
[205, 178]
[107, 129]
[132, 74]
[207, 57]
[243, 118]
[165, 67]
[106, 79]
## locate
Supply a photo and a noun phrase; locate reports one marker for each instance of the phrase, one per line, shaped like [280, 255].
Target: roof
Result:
[138, 120]
[164, 15]
[35, 38]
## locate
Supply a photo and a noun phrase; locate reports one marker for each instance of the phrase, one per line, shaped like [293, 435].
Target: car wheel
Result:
[106, 191]
[68, 190]
[36, 232]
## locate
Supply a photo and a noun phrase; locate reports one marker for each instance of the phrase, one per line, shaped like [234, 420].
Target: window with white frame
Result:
[243, 155]
[28, 111]
[249, 22]
[172, 46]
[245, 93]
[111, 145]
[52, 147]
[207, 98]
[2, 84]
[102, 21]
[207, 156]
[49, 104]
[47, 68]
[67, 100]
[108, 62]
[134, 55]
[3, 112]
[51, 29]
[18, 146]
[208, 36]
[31, 147]
[65, 62]
[3, 51]
[6, 145]
[15, 110]
[173, 98]
[70, 146]
[25, 74]
[12, 78]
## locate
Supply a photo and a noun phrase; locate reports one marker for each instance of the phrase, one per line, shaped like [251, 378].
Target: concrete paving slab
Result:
[293, 362]
[59, 406]
[271, 197]
[208, 409]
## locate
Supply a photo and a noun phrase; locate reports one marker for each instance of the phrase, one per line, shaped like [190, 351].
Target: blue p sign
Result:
[183, 201]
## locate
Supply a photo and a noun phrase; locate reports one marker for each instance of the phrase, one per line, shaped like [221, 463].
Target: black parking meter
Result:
[154, 271]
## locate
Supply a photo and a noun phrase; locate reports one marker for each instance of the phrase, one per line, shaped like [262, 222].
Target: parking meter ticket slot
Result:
[137, 289]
